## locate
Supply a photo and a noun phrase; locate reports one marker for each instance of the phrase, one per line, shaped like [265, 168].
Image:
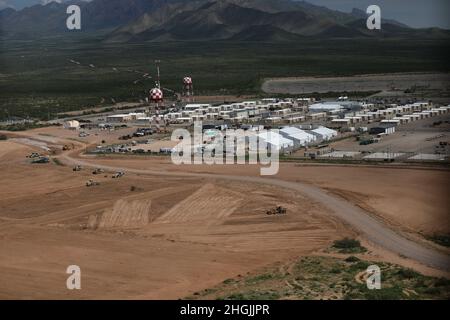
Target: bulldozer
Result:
[118, 175]
[92, 183]
[277, 211]
[68, 147]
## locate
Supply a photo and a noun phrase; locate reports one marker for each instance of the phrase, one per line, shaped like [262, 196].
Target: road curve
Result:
[372, 229]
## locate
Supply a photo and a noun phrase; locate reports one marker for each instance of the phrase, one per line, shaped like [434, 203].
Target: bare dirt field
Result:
[154, 236]
[396, 194]
[161, 248]
[401, 81]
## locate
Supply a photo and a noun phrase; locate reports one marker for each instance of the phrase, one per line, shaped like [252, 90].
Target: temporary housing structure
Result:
[298, 136]
[324, 133]
[72, 125]
[276, 140]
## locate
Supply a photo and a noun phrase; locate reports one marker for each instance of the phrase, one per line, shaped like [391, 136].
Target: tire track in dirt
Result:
[372, 229]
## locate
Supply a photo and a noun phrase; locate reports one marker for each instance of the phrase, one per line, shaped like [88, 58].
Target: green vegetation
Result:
[37, 80]
[352, 259]
[261, 278]
[254, 295]
[347, 245]
[22, 126]
[328, 278]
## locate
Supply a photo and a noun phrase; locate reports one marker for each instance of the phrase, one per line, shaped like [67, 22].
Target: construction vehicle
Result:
[34, 155]
[118, 175]
[41, 160]
[77, 168]
[67, 147]
[277, 211]
[92, 183]
[98, 171]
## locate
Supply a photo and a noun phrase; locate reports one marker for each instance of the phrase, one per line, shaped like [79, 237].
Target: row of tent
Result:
[293, 137]
[287, 138]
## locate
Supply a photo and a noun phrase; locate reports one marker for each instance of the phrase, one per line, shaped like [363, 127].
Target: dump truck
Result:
[277, 211]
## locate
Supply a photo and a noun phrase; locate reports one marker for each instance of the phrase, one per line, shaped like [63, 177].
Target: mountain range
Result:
[185, 20]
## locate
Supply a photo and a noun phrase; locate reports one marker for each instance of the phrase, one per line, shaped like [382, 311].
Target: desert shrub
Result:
[335, 270]
[237, 296]
[392, 293]
[3, 137]
[442, 282]
[347, 245]
[432, 291]
[261, 277]
[352, 259]
[228, 281]
[407, 274]
[254, 295]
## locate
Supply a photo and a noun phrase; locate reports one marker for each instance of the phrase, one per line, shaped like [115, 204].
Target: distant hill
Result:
[237, 20]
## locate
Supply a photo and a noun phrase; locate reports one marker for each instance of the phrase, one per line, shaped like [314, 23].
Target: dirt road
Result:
[372, 229]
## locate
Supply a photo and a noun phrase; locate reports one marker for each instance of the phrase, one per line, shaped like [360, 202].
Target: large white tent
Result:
[325, 133]
[276, 140]
[325, 107]
[299, 136]
[72, 125]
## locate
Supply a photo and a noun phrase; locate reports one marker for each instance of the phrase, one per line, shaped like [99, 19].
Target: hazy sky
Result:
[416, 13]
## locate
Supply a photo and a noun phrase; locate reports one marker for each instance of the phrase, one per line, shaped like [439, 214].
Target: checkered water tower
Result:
[156, 94]
[188, 89]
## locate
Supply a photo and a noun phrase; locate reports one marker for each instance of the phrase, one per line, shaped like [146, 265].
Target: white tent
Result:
[72, 125]
[275, 139]
[325, 133]
[300, 137]
[325, 107]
